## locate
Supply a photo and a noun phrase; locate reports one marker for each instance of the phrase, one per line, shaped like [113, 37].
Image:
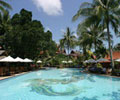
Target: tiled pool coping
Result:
[7, 77]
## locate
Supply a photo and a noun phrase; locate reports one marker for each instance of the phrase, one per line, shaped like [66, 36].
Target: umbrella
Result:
[86, 61]
[102, 60]
[18, 60]
[64, 61]
[91, 61]
[27, 60]
[70, 61]
[39, 61]
[118, 60]
[7, 59]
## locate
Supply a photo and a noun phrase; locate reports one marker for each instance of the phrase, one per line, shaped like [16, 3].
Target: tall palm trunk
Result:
[109, 41]
[95, 43]
[68, 50]
[84, 52]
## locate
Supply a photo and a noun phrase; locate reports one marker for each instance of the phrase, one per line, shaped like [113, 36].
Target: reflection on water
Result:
[67, 85]
[49, 91]
[78, 75]
[86, 98]
[45, 86]
[39, 73]
[113, 95]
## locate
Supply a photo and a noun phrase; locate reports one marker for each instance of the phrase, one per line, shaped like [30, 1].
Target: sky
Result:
[55, 15]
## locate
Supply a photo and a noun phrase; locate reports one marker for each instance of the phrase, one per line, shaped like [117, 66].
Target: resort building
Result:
[116, 55]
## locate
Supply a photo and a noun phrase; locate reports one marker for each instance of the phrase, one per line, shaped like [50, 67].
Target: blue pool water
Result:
[60, 84]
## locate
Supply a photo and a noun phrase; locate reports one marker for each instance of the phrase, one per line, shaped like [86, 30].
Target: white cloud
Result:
[50, 7]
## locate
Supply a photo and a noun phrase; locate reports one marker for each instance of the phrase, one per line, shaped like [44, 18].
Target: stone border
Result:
[7, 77]
[14, 75]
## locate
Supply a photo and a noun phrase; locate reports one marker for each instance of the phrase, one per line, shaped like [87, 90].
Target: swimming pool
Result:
[60, 84]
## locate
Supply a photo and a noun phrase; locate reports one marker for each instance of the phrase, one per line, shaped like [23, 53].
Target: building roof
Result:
[75, 53]
[61, 51]
[116, 55]
[1, 57]
[1, 52]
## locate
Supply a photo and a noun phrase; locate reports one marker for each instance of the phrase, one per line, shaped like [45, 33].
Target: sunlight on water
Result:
[38, 73]
[25, 84]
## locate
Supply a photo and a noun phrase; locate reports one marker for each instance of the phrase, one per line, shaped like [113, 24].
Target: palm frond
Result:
[5, 5]
[86, 4]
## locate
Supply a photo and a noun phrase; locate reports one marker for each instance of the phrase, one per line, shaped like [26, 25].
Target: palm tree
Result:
[5, 27]
[61, 44]
[117, 47]
[96, 34]
[68, 40]
[5, 22]
[4, 6]
[84, 41]
[107, 12]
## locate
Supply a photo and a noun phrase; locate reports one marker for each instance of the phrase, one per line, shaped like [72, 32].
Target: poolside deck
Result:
[6, 77]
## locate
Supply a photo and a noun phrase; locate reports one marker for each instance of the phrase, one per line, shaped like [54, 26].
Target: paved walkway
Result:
[5, 77]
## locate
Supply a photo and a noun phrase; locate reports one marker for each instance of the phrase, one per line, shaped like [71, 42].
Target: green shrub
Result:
[99, 65]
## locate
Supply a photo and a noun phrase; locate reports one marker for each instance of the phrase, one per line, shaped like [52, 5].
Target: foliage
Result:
[107, 13]
[27, 37]
[84, 42]
[62, 46]
[117, 47]
[79, 61]
[89, 54]
[4, 22]
[68, 40]
[117, 64]
[55, 60]
[99, 65]
[91, 36]
[101, 52]
[3, 6]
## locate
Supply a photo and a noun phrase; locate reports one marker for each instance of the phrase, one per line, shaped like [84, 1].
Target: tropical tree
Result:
[95, 33]
[27, 38]
[101, 52]
[4, 22]
[68, 40]
[4, 5]
[117, 47]
[84, 42]
[61, 44]
[107, 11]
[5, 26]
